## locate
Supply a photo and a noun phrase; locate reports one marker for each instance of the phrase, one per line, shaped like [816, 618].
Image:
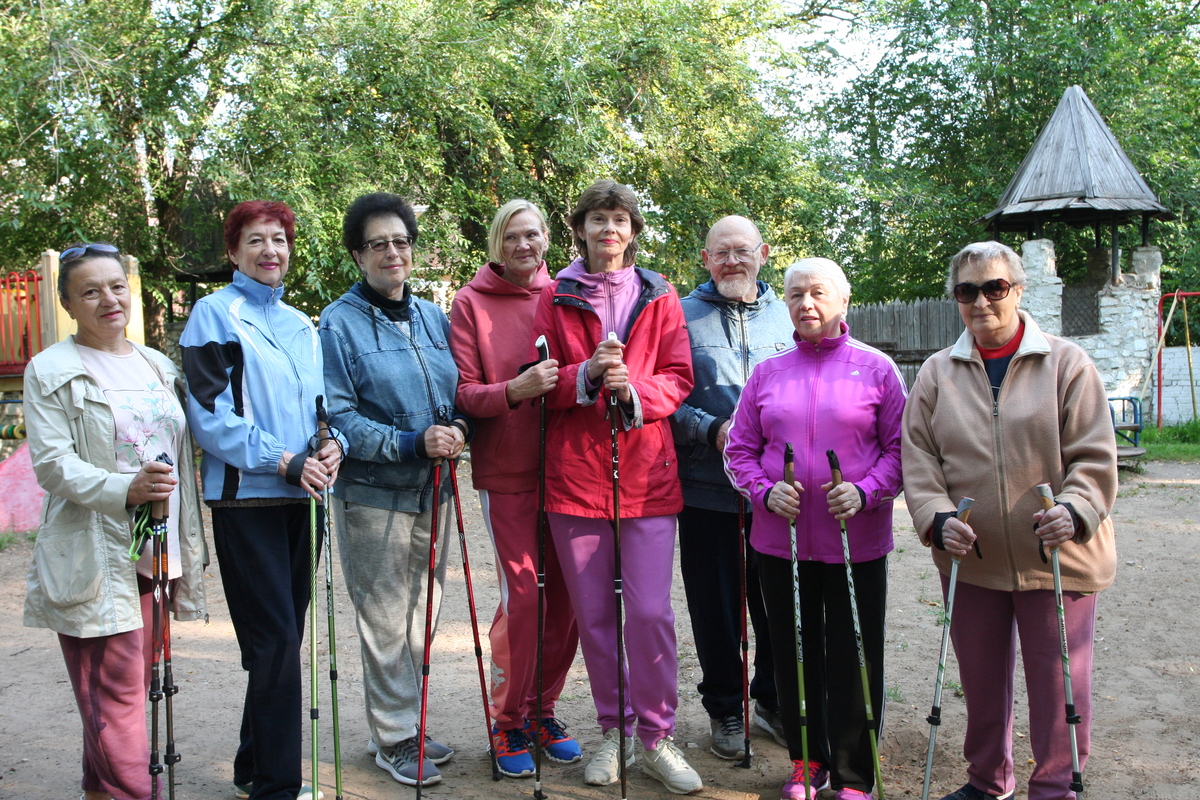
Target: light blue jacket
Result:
[253, 368]
[729, 338]
[387, 383]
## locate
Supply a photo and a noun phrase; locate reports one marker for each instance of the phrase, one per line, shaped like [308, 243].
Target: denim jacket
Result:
[387, 382]
[729, 338]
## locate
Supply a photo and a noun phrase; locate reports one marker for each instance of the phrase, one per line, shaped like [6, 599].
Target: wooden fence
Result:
[908, 332]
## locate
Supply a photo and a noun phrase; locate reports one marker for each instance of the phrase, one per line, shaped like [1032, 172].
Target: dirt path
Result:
[1146, 740]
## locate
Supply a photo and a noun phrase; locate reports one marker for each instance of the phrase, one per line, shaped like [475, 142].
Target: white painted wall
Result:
[1177, 388]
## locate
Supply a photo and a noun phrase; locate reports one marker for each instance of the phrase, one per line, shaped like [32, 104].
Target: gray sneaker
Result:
[435, 751]
[769, 722]
[728, 738]
[401, 762]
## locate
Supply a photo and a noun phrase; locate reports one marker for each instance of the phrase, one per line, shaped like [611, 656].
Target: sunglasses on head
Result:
[995, 289]
[76, 253]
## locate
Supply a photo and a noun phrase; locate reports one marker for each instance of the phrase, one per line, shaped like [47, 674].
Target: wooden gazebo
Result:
[1077, 173]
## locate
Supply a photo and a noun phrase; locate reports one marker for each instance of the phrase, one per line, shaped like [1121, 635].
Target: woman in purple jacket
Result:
[828, 392]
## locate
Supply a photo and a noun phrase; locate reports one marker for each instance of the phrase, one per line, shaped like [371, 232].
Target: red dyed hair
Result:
[245, 213]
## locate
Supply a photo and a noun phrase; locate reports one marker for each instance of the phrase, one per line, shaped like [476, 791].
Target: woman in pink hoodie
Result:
[491, 325]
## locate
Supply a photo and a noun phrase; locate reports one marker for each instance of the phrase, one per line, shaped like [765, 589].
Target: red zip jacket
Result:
[579, 471]
[491, 326]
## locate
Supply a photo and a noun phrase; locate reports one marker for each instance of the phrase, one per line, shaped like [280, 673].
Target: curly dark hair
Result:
[374, 205]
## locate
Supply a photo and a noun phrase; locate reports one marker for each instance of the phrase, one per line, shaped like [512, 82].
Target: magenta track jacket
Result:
[841, 395]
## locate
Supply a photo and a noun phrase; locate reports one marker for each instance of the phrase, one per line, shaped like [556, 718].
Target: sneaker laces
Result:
[511, 742]
[669, 753]
[406, 750]
[731, 726]
[552, 730]
[813, 770]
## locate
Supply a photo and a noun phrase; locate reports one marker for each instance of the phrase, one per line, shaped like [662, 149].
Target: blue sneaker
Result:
[556, 743]
[512, 753]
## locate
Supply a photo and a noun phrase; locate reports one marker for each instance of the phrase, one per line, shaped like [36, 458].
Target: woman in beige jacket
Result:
[99, 409]
[1005, 409]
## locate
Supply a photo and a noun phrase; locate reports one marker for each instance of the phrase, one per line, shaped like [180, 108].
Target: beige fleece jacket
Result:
[1050, 424]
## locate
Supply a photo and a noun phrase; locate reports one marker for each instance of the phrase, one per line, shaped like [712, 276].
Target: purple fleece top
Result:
[612, 294]
[840, 395]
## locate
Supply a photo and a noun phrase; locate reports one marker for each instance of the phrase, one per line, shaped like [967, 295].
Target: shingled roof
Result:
[1074, 173]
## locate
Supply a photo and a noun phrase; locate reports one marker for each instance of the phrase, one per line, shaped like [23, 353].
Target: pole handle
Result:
[789, 464]
[1047, 496]
[835, 467]
[322, 420]
[159, 509]
[543, 348]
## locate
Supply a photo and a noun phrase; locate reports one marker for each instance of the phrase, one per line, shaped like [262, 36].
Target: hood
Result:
[592, 283]
[490, 280]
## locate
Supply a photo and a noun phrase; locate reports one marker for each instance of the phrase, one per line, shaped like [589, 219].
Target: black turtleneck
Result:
[395, 310]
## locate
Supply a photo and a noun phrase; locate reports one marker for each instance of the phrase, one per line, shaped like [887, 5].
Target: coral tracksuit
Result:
[491, 328]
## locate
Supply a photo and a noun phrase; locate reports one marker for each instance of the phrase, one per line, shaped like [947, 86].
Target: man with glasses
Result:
[734, 321]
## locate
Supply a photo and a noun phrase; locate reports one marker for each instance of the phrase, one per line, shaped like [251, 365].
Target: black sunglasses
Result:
[995, 289]
[76, 253]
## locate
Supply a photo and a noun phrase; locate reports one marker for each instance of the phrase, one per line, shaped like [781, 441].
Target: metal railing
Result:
[20, 321]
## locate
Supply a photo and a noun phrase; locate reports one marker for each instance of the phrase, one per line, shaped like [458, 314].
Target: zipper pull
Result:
[995, 406]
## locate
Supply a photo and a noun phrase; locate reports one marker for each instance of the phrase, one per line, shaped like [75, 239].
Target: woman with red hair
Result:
[254, 373]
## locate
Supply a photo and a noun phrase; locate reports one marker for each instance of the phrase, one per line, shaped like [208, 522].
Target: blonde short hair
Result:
[504, 215]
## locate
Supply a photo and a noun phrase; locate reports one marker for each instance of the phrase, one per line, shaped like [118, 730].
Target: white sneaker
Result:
[665, 763]
[605, 766]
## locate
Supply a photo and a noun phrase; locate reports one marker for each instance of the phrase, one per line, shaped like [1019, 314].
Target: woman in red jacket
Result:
[648, 368]
[491, 327]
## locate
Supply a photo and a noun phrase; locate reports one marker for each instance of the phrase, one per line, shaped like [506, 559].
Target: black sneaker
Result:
[769, 722]
[969, 792]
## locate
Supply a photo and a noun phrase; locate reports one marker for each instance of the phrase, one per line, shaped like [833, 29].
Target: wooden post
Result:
[1187, 339]
[135, 331]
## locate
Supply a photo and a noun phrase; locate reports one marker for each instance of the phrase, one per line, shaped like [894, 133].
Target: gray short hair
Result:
[500, 222]
[822, 268]
[985, 253]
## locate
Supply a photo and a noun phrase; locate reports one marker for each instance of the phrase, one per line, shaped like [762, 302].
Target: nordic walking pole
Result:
[323, 435]
[314, 711]
[462, 543]
[169, 689]
[789, 477]
[742, 557]
[935, 715]
[543, 351]
[433, 532]
[613, 413]
[1073, 719]
[835, 469]
[158, 513]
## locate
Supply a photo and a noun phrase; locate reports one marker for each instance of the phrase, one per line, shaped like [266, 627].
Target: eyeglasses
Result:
[741, 255]
[403, 244]
[995, 289]
[76, 253]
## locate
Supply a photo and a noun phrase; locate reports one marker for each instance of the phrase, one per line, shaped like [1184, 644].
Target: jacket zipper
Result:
[1000, 470]
[808, 450]
[424, 374]
[269, 316]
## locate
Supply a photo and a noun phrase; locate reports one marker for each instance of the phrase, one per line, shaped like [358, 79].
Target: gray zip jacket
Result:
[729, 338]
[82, 581]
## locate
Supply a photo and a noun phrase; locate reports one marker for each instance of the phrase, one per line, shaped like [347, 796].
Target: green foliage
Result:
[928, 138]
[1175, 443]
[144, 124]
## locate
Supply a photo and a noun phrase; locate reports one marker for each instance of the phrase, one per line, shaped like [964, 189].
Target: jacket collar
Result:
[490, 280]
[59, 364]
[827, 344]
[257, 293]
[1034, 341]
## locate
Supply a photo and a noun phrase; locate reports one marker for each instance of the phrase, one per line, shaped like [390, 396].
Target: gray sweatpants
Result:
[385, 561]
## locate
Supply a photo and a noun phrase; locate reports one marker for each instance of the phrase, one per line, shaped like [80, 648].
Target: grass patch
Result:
[1176, 443]
[6, 540]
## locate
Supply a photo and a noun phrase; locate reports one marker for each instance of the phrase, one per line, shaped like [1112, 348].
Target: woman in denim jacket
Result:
[391, 381]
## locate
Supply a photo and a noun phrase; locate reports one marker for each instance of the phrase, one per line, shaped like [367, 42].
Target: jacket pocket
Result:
[67, 565]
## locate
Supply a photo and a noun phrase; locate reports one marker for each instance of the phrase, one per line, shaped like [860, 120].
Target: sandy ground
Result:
[1146, 741]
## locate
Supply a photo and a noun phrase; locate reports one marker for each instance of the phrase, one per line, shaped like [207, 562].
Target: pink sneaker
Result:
[818, 779]
[851, 794]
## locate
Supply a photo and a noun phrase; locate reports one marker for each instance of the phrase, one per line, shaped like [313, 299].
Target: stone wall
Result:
[1177, 387]
[1123, 349]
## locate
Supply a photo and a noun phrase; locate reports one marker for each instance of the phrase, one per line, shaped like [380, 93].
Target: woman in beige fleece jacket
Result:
[1006, 408]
